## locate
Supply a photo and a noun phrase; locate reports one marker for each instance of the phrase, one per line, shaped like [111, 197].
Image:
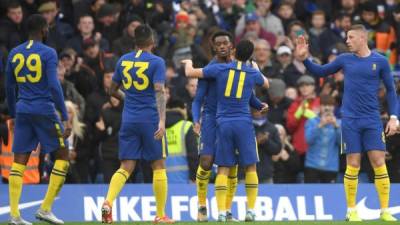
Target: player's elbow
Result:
[158, 87]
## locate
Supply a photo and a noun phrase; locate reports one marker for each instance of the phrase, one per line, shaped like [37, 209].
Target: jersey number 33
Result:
[142, 80]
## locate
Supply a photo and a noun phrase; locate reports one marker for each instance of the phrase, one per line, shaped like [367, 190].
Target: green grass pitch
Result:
[255, 223]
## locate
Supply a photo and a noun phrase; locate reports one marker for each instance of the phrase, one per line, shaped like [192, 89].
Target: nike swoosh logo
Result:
[370, 214]
[6, 209]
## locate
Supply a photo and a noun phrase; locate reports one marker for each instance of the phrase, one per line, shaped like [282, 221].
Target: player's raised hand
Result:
[159, 134]
[391, 126]
[301, 47]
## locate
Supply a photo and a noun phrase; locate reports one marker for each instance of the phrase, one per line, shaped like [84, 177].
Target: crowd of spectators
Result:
[298, 139]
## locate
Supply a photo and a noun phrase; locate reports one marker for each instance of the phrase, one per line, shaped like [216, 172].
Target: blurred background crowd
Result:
[298, 139]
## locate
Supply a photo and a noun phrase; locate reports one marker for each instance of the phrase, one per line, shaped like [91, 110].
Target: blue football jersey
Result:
[137, 72]
[32, 67]
[235, 84]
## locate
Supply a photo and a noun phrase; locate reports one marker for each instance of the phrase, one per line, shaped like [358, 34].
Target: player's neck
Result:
[35, 38]
[223, 59]
[364, 52]
[147, 49]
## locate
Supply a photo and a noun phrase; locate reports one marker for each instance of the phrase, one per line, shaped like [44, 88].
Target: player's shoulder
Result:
[214, 65]
[46, 49]
[378, 56]
[250, 69]
[127, 56]
[18, 49]
[154, 59]
[345, 55]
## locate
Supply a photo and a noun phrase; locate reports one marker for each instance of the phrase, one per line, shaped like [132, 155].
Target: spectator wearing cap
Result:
[80, 74]
[268, 20]
[182, 43]
[381, 35]
[284, 68]
[183, 34]
[278, 102]
[253, 26]
[126, 43]
[305, 107]
[107, 22]
[86, 31]
[97, 59]
[59, 32]
[12, 30]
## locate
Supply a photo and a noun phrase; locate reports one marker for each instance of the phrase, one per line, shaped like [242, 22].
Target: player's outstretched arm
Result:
[116, 92]
[161, 107]
[315, 69]
[190, 71]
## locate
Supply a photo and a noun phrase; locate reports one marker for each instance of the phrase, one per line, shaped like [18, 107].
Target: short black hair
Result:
[244, 50]
[342, 15]
[13, 4]
[222, 33]
[36, 23]
[143, 36]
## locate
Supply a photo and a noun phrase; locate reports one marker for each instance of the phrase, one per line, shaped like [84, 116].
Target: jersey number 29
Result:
[34, 65]
[142, 66]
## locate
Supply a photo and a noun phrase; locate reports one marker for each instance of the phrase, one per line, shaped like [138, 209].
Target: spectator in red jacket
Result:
[305, 107]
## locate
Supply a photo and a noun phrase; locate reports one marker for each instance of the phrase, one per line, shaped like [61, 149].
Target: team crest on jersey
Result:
[374, 66]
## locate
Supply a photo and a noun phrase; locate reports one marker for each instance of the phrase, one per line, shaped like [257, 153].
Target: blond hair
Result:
[77, 126]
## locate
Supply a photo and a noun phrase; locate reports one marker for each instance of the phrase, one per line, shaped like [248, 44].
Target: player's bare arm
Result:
[116, 92]
[190, 71]
[161, 107]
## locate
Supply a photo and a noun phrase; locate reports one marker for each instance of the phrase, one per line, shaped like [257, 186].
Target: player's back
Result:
[138, 71]
[235, 83]
[29, 66]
